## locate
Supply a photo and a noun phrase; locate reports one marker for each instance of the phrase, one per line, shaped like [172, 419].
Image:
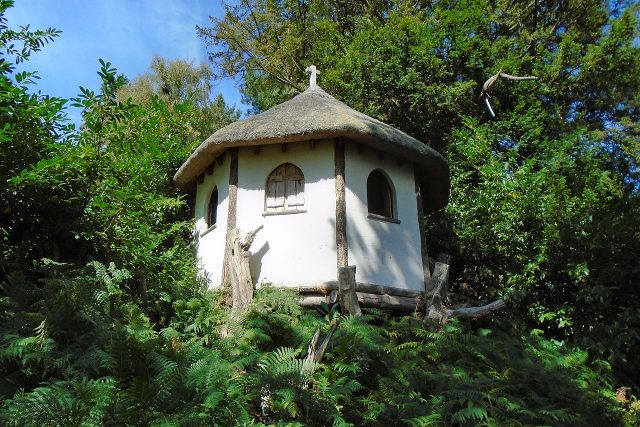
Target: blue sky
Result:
[125, 33]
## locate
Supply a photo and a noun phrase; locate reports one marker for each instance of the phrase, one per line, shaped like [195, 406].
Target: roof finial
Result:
[314, 73]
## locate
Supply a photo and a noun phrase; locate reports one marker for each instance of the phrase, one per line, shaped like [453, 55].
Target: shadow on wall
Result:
[255, 262]
[383, 251]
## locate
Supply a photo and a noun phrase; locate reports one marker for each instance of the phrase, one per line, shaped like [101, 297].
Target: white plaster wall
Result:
[210, 246]
[291, 249]
[384, 253]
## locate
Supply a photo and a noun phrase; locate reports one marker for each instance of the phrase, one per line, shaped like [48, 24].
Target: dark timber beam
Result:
[341, 209]
[423, 236]
[233, 205]
[220, 158]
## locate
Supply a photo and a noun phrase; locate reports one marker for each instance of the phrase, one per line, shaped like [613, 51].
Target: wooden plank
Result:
[426, 273]
[341, 209]
[347, 291]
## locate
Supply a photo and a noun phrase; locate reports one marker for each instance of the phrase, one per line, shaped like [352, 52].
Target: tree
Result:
[178, 81]
[544, 205]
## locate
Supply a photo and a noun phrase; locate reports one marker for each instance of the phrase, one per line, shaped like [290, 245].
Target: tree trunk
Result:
[436, 313]
[347, 291]
[237, 266]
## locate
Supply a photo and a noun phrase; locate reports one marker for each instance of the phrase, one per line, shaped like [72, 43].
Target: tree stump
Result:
[236, 263]
[347, 291]
[436, 312]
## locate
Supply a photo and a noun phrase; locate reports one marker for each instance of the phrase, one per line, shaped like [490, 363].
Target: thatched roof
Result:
[314, 114]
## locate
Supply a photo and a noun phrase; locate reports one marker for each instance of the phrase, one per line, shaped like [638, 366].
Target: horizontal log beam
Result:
[477, 312]
[313, 300]
[390, 302]
[385, 302]
[326, 287]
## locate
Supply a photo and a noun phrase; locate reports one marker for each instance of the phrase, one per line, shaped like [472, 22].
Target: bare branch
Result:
[510, 77]
[486, 87]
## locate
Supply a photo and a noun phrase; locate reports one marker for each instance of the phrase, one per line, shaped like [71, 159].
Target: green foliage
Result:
[544, 209]
[177, 82]
[102, 319]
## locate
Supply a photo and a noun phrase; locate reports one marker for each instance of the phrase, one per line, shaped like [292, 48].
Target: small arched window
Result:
[285, 189]
[380, 197]
[212, 208]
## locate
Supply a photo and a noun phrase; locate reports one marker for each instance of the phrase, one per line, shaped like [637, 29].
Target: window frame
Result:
[207, 213]
[392, 202]
[271, 188]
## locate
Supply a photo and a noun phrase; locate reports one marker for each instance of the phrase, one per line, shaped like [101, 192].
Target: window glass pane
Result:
[213, 208]
[379, 195]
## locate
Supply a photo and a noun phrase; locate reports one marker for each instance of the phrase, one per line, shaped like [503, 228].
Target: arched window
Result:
[285, 189]
[212, 209]
[380, 197]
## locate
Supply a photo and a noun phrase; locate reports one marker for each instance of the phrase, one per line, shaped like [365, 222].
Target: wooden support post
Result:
[256, 149]
[341, 209]
[201, 178]
[283, 147]
[347, 292]
[312, 144]
[426, 273]
[232, 207]
[210, 168]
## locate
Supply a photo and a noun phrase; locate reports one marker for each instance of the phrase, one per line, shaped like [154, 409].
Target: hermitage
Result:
[331, 187]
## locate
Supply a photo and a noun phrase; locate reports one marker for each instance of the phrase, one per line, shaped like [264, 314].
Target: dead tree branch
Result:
[437, 313]
[315, 352]
[486, 88]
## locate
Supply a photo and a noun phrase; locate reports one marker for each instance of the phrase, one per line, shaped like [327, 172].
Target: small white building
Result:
[330, 185]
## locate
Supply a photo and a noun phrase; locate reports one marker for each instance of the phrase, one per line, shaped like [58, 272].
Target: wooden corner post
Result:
[426, 273]
[342, 248]
[232, 208]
